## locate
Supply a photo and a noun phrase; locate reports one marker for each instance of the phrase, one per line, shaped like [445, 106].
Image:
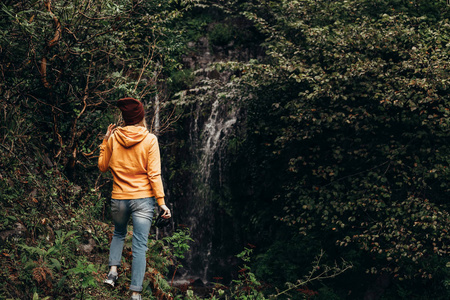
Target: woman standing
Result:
[131, 153]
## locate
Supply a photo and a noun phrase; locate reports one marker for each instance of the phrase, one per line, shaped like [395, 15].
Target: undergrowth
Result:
[55, 236]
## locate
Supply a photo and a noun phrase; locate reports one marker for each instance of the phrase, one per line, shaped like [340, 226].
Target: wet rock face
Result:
[214, 115]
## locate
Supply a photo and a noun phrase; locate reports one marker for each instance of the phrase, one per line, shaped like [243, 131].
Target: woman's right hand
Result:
[110, 130]
[166, 213]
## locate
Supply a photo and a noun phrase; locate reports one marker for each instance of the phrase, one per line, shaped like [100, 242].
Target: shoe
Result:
[112, 279]
[138, 297]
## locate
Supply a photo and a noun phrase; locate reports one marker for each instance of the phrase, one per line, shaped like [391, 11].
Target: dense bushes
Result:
[341, 140]
[63, 64]
[346, 139]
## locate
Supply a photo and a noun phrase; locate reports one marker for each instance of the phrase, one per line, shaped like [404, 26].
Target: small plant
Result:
[84, 273]
[162, 254]
[246, 287]
[317, 273]
[179, 243]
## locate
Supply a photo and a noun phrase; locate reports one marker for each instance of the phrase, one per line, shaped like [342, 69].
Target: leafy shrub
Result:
[221, 34]
[180, 80]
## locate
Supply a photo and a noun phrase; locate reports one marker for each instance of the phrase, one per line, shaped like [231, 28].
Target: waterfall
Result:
[214, 128]
[214, 109]
[208, 137]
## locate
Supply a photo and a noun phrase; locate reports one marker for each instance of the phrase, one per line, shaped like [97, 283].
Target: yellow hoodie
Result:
[132, 155]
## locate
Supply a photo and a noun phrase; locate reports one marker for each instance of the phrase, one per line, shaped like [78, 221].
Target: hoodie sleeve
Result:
[105, 155]
[154, 170]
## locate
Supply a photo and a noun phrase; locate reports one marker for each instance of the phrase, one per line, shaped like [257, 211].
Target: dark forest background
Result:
[305, 146]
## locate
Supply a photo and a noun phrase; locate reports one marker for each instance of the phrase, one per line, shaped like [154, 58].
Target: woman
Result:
[132, 155]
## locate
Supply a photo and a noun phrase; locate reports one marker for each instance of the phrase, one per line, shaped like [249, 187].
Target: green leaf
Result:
[56, 263]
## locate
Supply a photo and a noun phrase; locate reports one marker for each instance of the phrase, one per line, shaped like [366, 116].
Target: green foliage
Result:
[350, 111]
[80, 59]
[39, 266]
[246, 287]
[36, 297]
[342, 143]
[63, 64]
[194, 25]
[221, 34]
[179, 242]
[55, 102]
[180, 80]
[83, 273]
[292, 254]
[319, 272]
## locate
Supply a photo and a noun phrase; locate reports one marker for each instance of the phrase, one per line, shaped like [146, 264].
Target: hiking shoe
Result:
[112, 279]
[138, 297]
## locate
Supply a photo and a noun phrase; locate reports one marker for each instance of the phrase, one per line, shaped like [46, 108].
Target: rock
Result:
[48, 162]
[76, 189]
[87, 248]
[19, 230]
[198, 283]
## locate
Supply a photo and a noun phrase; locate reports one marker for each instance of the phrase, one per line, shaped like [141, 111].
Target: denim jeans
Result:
[141, 211]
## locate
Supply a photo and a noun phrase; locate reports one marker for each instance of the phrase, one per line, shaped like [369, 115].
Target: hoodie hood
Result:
[130, 135]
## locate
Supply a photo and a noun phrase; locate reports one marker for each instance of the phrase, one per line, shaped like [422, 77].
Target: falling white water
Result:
[207, 138]
[215, 128]
[214, 131]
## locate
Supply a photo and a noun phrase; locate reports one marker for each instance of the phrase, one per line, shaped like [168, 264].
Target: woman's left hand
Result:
[167, 213]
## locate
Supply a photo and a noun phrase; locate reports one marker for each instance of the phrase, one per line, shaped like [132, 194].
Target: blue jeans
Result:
[141, 211]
